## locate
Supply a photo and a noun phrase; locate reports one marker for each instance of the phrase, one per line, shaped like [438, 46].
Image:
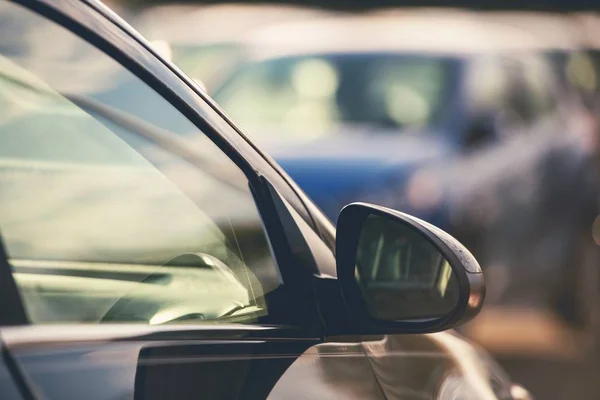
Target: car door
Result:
[145, 254]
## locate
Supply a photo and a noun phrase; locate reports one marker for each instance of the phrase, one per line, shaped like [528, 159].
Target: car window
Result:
[313, 95]
[113, 206]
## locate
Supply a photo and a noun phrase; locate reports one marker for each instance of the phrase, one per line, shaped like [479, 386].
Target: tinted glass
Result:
[113, 206]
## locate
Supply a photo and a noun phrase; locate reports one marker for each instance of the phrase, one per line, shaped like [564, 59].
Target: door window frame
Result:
[98, 27]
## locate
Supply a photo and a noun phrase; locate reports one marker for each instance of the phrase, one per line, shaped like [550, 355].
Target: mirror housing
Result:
[399, 274]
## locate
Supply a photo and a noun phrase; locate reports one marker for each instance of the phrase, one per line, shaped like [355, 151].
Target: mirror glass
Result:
[401, 273]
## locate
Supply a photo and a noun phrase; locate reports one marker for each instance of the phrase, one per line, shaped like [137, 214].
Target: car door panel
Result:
[336, 370]
[162, 363]
[117, 362]
[256, 366]
[402, 367]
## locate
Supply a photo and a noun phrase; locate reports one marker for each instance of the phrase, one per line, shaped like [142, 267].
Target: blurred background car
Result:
[473, 129]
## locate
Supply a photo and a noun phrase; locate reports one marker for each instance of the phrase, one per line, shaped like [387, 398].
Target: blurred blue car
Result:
[456, 119]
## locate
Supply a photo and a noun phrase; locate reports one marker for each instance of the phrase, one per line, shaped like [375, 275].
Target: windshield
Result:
[313, 95]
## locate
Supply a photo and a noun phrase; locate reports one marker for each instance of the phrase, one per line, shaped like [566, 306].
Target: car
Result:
[150, 249]
[471, 129]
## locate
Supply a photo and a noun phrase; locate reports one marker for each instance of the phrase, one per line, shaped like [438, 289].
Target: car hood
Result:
[338, 168]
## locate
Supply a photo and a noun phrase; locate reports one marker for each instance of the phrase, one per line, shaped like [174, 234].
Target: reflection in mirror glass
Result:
[401, 273]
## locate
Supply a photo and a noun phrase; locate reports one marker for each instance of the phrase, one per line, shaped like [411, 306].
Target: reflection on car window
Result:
[395, 253]
[309, 95]
[400, 272]
[113, 206]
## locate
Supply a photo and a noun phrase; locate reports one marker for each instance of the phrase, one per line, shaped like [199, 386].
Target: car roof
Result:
[444, 32]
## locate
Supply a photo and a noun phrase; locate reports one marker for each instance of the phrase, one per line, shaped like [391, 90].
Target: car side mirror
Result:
[399, 274]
